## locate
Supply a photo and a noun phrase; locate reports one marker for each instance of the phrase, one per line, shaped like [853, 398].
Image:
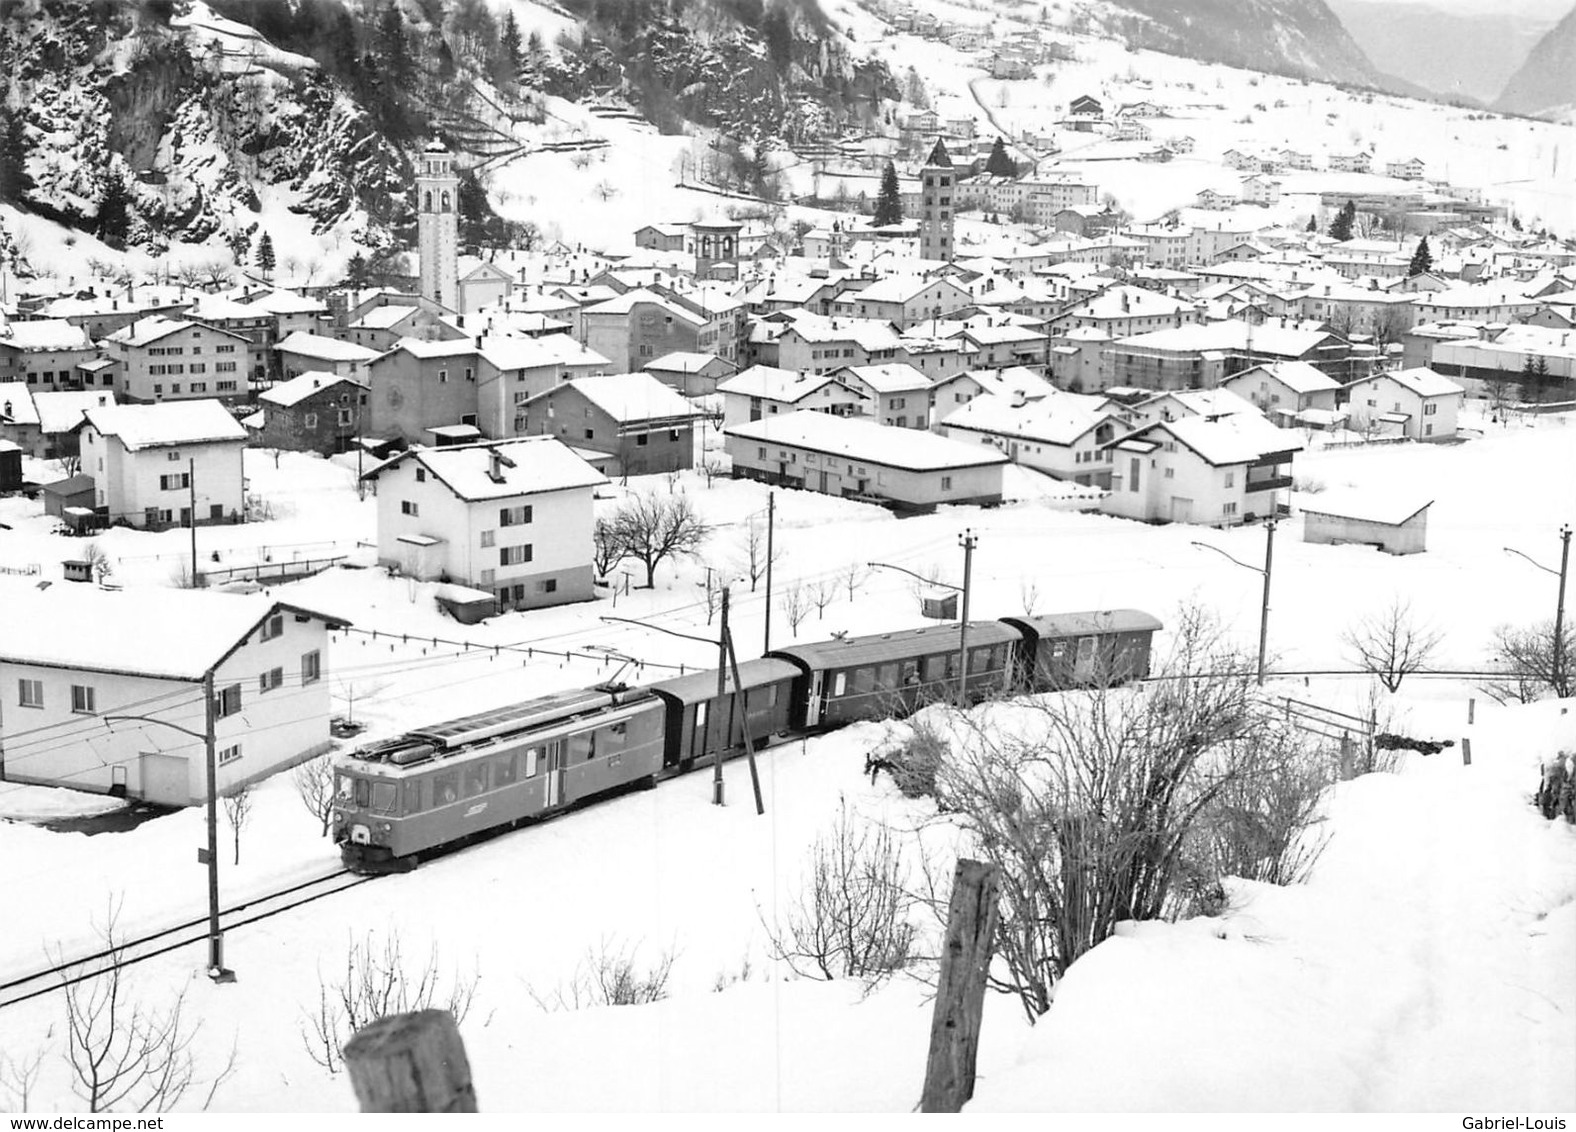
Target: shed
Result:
[1395, 524]
[76, 491]
[465, 604]
[10, 466]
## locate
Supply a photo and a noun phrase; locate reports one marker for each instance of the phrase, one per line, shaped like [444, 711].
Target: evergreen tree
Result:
[394, 48]
[475, 212]
[265, 254]
[999, 164]
[342, 46]
[1531, 391]
[114, 212]
[14, 181]
[512, 57]
[1313, 224]
[1422, 259]
[356, 270]
[889, 203]
[1341, 226]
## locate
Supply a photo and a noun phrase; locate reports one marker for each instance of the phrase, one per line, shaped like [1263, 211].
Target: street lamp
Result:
[217, 971]
[1557, 660]
[1269, 560]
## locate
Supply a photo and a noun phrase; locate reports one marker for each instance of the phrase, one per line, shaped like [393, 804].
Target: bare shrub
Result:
[854, 576]
[729, 978]
[18, 1078]
[609, 975]
[912, 760]
[314, 785]
[712, 467]
[374, 983]
[1532, 662]
[124, 1055]
[1029, 594]
[850, 918]
[821, 595]
[237, 812]
[1391, 643]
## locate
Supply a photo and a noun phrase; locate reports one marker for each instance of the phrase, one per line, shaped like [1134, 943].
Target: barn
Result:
[1395, 524]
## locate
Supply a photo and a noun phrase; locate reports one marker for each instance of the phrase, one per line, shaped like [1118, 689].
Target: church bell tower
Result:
[437, 223]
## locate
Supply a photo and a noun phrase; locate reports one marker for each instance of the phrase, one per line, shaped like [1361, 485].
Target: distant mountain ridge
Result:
[1546, 82]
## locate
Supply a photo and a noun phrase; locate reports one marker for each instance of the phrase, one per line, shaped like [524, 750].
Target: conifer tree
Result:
[1341, 226]
[1422, 259]
[265, 254]
[999, 164]
[356, 270]
[14, 181]
[511, 44]
[114, 213]
[889, 203]
[1313, 224]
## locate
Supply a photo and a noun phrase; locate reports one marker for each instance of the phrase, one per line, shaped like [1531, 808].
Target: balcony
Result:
[1266, 483]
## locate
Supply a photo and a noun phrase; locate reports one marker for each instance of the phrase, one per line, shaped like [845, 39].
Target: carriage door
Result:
[1083, 665]
[812, 708]
[555, 773]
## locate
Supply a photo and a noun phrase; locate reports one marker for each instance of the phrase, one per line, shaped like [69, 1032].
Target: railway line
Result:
[23, 988]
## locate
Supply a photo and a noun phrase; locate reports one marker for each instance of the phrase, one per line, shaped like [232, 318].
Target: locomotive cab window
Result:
[617, 735]
[385, 796]
[345, 788]
[582, 747]
[413, 797]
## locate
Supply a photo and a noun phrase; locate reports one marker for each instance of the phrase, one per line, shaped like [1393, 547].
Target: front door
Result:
[1132, 473]
[1181, 509]
[555, 774]
[165, 780]
[824, 482]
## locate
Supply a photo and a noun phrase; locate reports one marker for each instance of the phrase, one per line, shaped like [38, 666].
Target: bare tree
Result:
[314, 785]
[653, 529]
[237, 812]
[609, 975]
[854, 575]
[1029, 594]
[1391, 643]
[123, 1054]
[376, 982]
[712, 593]
[795, 605]
[98, 561]
[1532, 662]
[1501, 398]
[19, 1077]
[607, 548]
[755, 541]
[821, 595]
[712, 467]
[352, 692]
[850, 917]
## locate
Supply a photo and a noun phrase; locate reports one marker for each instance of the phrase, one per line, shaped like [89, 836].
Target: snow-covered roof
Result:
[297, 389]
[150, 329]
[175, 634]
[16, 404]
[868, 333]
[623, 304]
[167, 422]
[1010, 381]
[866, 441]
[218, 308]
[1231, 334]
[1393, 507]
[892, 377]
[1239, 438]
[630, 397]
[1299, 377]
[1420, 380]
[889, 289]
[62, 411]
[328, 349]
[44, 334]
[520, 352]
[383, 318]
[775, 384]
[288, 302]
[1049, 421]
[528, 466]
[682, 361]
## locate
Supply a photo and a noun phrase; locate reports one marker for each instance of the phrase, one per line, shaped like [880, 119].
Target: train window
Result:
[768, 695]
[864, 681]
[910, 673]
[475, 779]
[886, 677]
[363, 793]
[617, 735]
[446, 788]
[1085, 649]
[935, 669]
[840, 684]
[504, 770]
[345, 788]
[978, 659]
[533, 756]
[385, 795]
[413, 797]
[582, 747]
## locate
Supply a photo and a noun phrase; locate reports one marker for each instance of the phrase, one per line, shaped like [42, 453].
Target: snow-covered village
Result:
[687, 556]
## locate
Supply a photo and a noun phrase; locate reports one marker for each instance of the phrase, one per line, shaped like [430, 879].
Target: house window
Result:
[229, 754]
[228, 701]
[514, 555]
[443, 375]
[1171, 473]
[310, 421]
[82, 699]
[31, 693]
[172, 455]
[1430, 409]
[1231, 479]
[311, 667]
[487, 579]
[175, 482]
[273, 678]
[1229, 509]
[547, 586]
[274, 626]
[673, 434]
[760, 453]
[946, 483]
[488, 537]
[470, 374]
[513, 517]
[421, 475]
[406, 507]
[643, 440]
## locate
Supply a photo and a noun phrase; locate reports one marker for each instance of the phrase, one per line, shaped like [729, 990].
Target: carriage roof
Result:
[904, 644]
[1087, 622]
[698, 687]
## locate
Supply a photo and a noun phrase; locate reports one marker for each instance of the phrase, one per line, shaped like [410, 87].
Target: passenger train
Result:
[435, 786]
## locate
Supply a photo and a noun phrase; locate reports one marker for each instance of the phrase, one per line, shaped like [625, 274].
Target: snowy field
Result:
[1428, 964]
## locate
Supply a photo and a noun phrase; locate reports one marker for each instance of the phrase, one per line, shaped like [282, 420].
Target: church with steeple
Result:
[937, 185]
[437, 225]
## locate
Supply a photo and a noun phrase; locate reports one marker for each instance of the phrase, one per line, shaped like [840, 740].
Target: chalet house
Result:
[259, 326]
[511, 517]
[165, 359]
[1415, 403]
[641, 325]
[1214, 471]
[815, 344]
[1283, 391]
[1240, 161]
[301, 352]
[633, 417]
[316, 412]
[73, 655]
[43, 353]
[150, 463]
[896, 393]
[513, 369]
[764, 391]
[1058, 435]
[903, 300]
[1086, 105]
[1175, 405]
[292, 313]
[1261, 190]
[1359, 162]
[910, 471]
[692, 375]
[1213, 199]
[1410, 169]
[1003, 346]
[1017, 384]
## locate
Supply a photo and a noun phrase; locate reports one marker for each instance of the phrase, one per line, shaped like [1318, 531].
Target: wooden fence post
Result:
[1471, 709]
[1466, 752]
[960, 991]
[411, 1063]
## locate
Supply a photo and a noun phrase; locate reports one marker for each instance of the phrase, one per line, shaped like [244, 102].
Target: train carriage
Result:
[1068, 650]
[696, 716]
[893, 674]
[447, 782]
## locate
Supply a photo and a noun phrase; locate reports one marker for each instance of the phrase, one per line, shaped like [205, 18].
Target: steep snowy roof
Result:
[681, 361]
[1240, 438]
[16, 404]
[62, 411]
[1048, 421]
[328, 349]
[892, 377]
[44, 334]
[1420, 380]
[528, 466]
[297, 389]
[1299, 377]
[167, 422]
[630, 397]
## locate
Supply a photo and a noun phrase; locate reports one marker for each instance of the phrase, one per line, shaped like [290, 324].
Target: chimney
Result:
[478, 341]
[494, 465]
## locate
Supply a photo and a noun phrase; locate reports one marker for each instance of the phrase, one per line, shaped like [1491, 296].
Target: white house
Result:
[1213, 471]
[912, 471]
[301, 352]
[1059, 435]
[150, 462]
[895, 393]
[763, 391]
[903, 300]
[513, 517]
[1416, 403]
[73, 657]
[165, 359]
[1282, 390]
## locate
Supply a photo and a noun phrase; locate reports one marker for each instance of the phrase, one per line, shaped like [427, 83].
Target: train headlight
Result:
[360, 834]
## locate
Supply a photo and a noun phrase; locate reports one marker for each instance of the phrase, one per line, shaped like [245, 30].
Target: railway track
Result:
[22, 988]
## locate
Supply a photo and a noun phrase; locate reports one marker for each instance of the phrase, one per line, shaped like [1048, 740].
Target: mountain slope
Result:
[1546, 82]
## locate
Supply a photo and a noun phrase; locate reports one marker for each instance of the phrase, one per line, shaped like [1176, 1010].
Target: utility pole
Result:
[216, 968]
[722, 690]
[967, 541]
[771, 519]
[1559, 612]
[1264, 615]
[191, 483]
[744, 723]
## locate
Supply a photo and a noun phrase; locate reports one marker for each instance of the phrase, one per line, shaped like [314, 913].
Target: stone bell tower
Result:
[437, 224]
